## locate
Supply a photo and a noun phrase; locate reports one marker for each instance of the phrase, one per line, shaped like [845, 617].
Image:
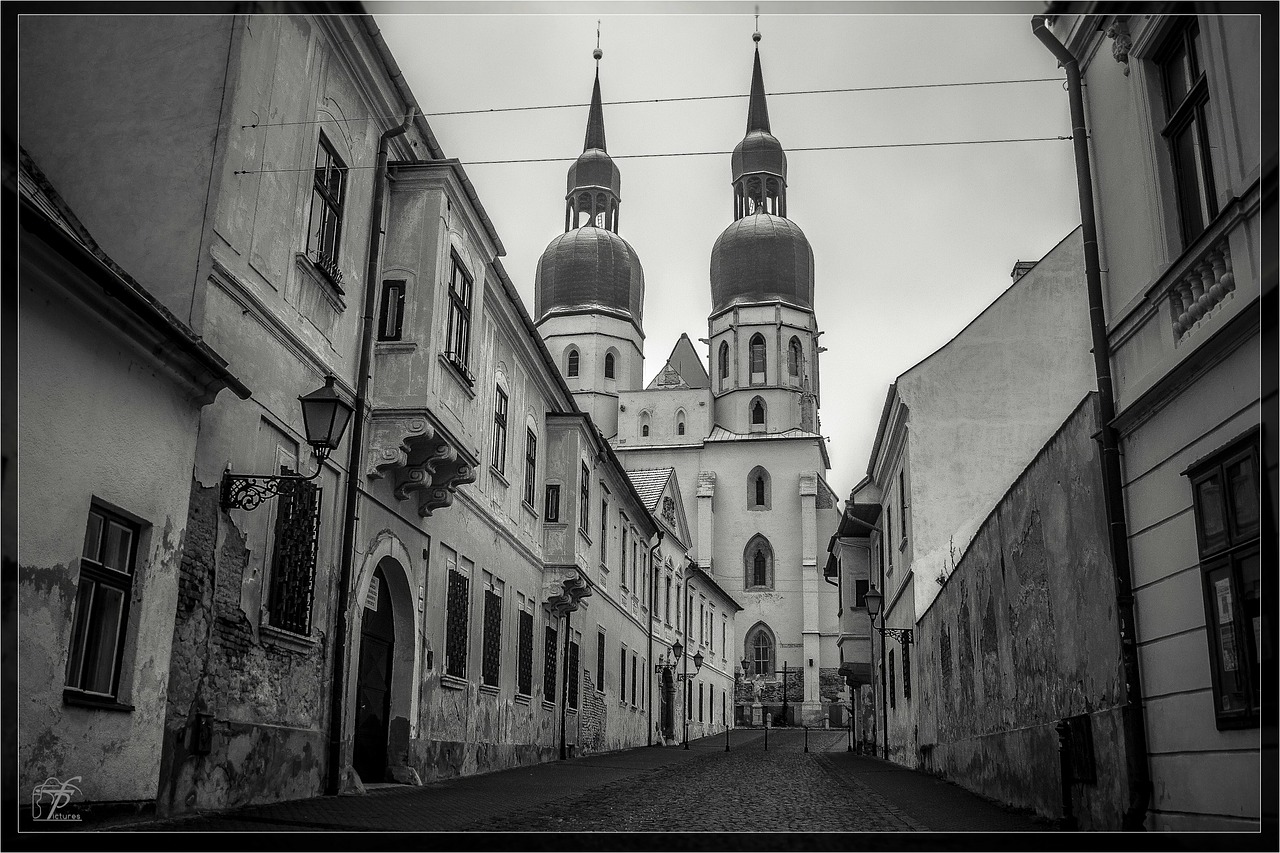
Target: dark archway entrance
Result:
[373, 686]
[668, 705]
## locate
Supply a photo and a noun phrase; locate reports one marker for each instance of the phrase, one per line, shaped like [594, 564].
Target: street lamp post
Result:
[678, 656]
[875, 600]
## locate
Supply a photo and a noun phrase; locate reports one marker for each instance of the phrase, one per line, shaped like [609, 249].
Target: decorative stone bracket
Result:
[563, 587]
[420, 456]
[1121, 41]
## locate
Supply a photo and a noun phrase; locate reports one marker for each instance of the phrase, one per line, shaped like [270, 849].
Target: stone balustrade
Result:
[1201, 286]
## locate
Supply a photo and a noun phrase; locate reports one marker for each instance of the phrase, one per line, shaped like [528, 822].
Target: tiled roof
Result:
[649, 484]
[721, 434]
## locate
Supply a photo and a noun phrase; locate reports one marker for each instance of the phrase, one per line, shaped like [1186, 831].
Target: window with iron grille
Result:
[1186, 100]
[549, 666]
[600, 660]
[573, 673]
[392, 316]
[530, 466]
[293, 560]
[906, 670]
[328, 195]
[458, 337]
[1226, 498]
[551, 508]
[622, 674]
[893, 686]
[491, 654]
[457, 605]
[634, 667]
[102, 603]
[699, 702]
[524, 656]
[500, 432]
[584, 506]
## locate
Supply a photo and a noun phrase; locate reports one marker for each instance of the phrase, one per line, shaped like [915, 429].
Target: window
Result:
[680, 427]
[1186, 99]
[574, 641]
[795, 357]
[888, 533]
[644, 430]
[584, 508]
[102, 603]
[699, 701]
[758, 491]
[622, 674]
[604, 535]
[608, 365]
[758, 563]
[634, 667]
[549, 664]
[392, 316]
[1228, 522]
[572, 369]
[666, 603]
[724, 361]
[760, 651]
[457, 605]
[644, 424]
[524, 656]
[293, 557]
[551, 507]
[328, 194]
[530, 466]
[757, 359]
[702, 625]
[906, 670]
[491, 654]
[893, 687]
[902, 503]
[711, 629]
[757, 413]
[622, 525]
[643, 682]
[600, 660]
[688, 699]
[458, 339]
[860, 593]
[500, 432]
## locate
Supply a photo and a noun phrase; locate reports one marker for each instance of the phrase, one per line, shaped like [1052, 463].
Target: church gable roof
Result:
[683, 368]
[660, 491]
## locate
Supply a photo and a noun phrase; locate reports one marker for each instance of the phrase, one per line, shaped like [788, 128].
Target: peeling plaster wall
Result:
[135, 453]
[1024, 633]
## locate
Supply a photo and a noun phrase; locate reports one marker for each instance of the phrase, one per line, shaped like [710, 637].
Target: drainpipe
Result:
[653, 596]
[1135, 722]
[354, 454]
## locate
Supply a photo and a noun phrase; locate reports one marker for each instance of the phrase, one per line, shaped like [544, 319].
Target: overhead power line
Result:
[679, 99]
[709, 153]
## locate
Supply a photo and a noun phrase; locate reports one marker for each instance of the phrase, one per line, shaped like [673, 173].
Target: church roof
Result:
[650, 483]
[683, 368]
[719, 433]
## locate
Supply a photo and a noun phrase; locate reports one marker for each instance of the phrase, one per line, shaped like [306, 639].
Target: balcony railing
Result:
[1201, 287]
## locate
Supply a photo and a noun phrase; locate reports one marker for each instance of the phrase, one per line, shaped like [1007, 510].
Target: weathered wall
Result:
[1023, 634]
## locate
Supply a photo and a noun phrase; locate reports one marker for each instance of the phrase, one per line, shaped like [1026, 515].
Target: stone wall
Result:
[1023, 634]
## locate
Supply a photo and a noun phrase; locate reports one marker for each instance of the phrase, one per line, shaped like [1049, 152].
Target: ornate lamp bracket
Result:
[902, 635]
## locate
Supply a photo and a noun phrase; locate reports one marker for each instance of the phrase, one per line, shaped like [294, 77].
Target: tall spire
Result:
[595, 118]
[758, 112]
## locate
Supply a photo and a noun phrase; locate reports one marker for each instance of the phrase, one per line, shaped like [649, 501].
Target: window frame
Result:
[584, 500]
[610, 366]
[491, 631]
[1190, 110]
[458, 332]
[331, 206]
[551, 504]
[501, 408]
[393, 290]
[601, 671]
[530, 467]
[457, 615]
[524, 646]
[573, 360]
[756, 346]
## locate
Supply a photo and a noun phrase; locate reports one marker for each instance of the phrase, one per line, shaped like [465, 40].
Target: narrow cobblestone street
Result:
[783, 789]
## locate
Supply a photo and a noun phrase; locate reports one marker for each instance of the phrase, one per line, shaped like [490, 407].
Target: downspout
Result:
[653, 596]
[884, 663]
[1113, 490]
[354, 454]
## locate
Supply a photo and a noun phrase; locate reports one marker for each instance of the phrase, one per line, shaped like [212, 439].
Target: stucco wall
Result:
[1023, 634]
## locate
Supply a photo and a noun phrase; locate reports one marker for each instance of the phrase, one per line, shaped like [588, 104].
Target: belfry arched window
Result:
[759, 651]
[757, 359]
[758, 564]
[608, 366]
[724, 362]
[758, 489]
[680, 422]
[795, 358]
[571, 368]
[758, 414]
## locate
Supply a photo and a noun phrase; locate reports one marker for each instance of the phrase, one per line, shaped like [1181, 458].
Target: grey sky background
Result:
[910, 244]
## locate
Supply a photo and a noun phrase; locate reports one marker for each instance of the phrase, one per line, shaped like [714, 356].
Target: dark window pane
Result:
[80, 633]
[549, 666]
[1244, 494]
[104, 628]
[1209, 506]
[573, 675]
[492, 662]
[524, 677]
[1177, 78]
[93, 537]
[1226, 642]
[455, 658]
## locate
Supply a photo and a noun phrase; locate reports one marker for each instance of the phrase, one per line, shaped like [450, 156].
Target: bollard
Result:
[806, 738]
[766, 735]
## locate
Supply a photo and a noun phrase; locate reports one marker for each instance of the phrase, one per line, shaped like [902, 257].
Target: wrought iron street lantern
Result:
[875, 601]
[325, 416]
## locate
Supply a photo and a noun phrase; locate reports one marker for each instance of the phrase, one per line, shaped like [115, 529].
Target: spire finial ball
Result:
[755, 37]
[597, 53]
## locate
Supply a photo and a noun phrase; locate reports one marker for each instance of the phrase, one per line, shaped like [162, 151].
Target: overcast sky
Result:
[909, 243]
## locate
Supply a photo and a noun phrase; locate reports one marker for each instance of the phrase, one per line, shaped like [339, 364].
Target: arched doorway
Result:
[373, 682]
[668, 705]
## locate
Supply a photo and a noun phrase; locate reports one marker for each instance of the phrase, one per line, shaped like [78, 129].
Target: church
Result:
[742, 439]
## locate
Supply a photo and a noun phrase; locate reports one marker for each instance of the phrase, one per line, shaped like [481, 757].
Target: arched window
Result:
[760, 650]
[758, 564]
[757, 358]
[757, 415]
[795, 357]
[724, 360]
[608, 365]
[758, 489]
[680, 422]
[644, 424]
[644, 430]
[573, 363]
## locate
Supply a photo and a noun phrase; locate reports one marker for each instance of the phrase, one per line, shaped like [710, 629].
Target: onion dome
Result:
[589, 268]
[760, 150]
[761, 257]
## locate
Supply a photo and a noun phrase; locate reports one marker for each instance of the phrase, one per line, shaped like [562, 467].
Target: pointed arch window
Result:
[680, 422]
[758, 564]
[795, 358]
[758, 489]
[757, 359]
[572, 366]
[760, 651]
[724, 362]
[758, 415]
[644, 424]
[608, 365]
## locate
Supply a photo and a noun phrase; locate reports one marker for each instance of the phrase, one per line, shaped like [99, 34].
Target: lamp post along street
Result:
[875, 600]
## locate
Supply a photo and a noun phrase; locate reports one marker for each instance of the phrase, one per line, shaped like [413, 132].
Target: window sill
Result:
[286, 639]
[585, 537]
[332, 289]
[499, 476]
[395, 346]
[460, 373]
[453, 682]
[522, 699]
[548, 706]
[490, 689]
[72, 696]
[528, 507]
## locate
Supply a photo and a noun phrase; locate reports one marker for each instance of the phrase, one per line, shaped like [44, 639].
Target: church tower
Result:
[763, 333]
[589, 286]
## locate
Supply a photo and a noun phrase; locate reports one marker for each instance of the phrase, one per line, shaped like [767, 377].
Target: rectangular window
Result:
[699, 703]
[860, 593]
[622, 565]
[1186, 100]
[530, 466]
[893, 686]
[392, 316]
[293, 557]
[688, 700]
[524, 657]
[888, 534]
[622, 674]
[711, 629]
[666, 603]
[906, 670]
[702, 625]
[1225, 495]
[644, 681]
[457, 606]
[500, 432]
[604, 537]
[902, 502]
[491, 655]
[600, 660]
[549, 666]
[584, 507]
[328, 196]
[634, 667]
[551, 509]
[102, 603]
[458, 336]
[574, 642]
